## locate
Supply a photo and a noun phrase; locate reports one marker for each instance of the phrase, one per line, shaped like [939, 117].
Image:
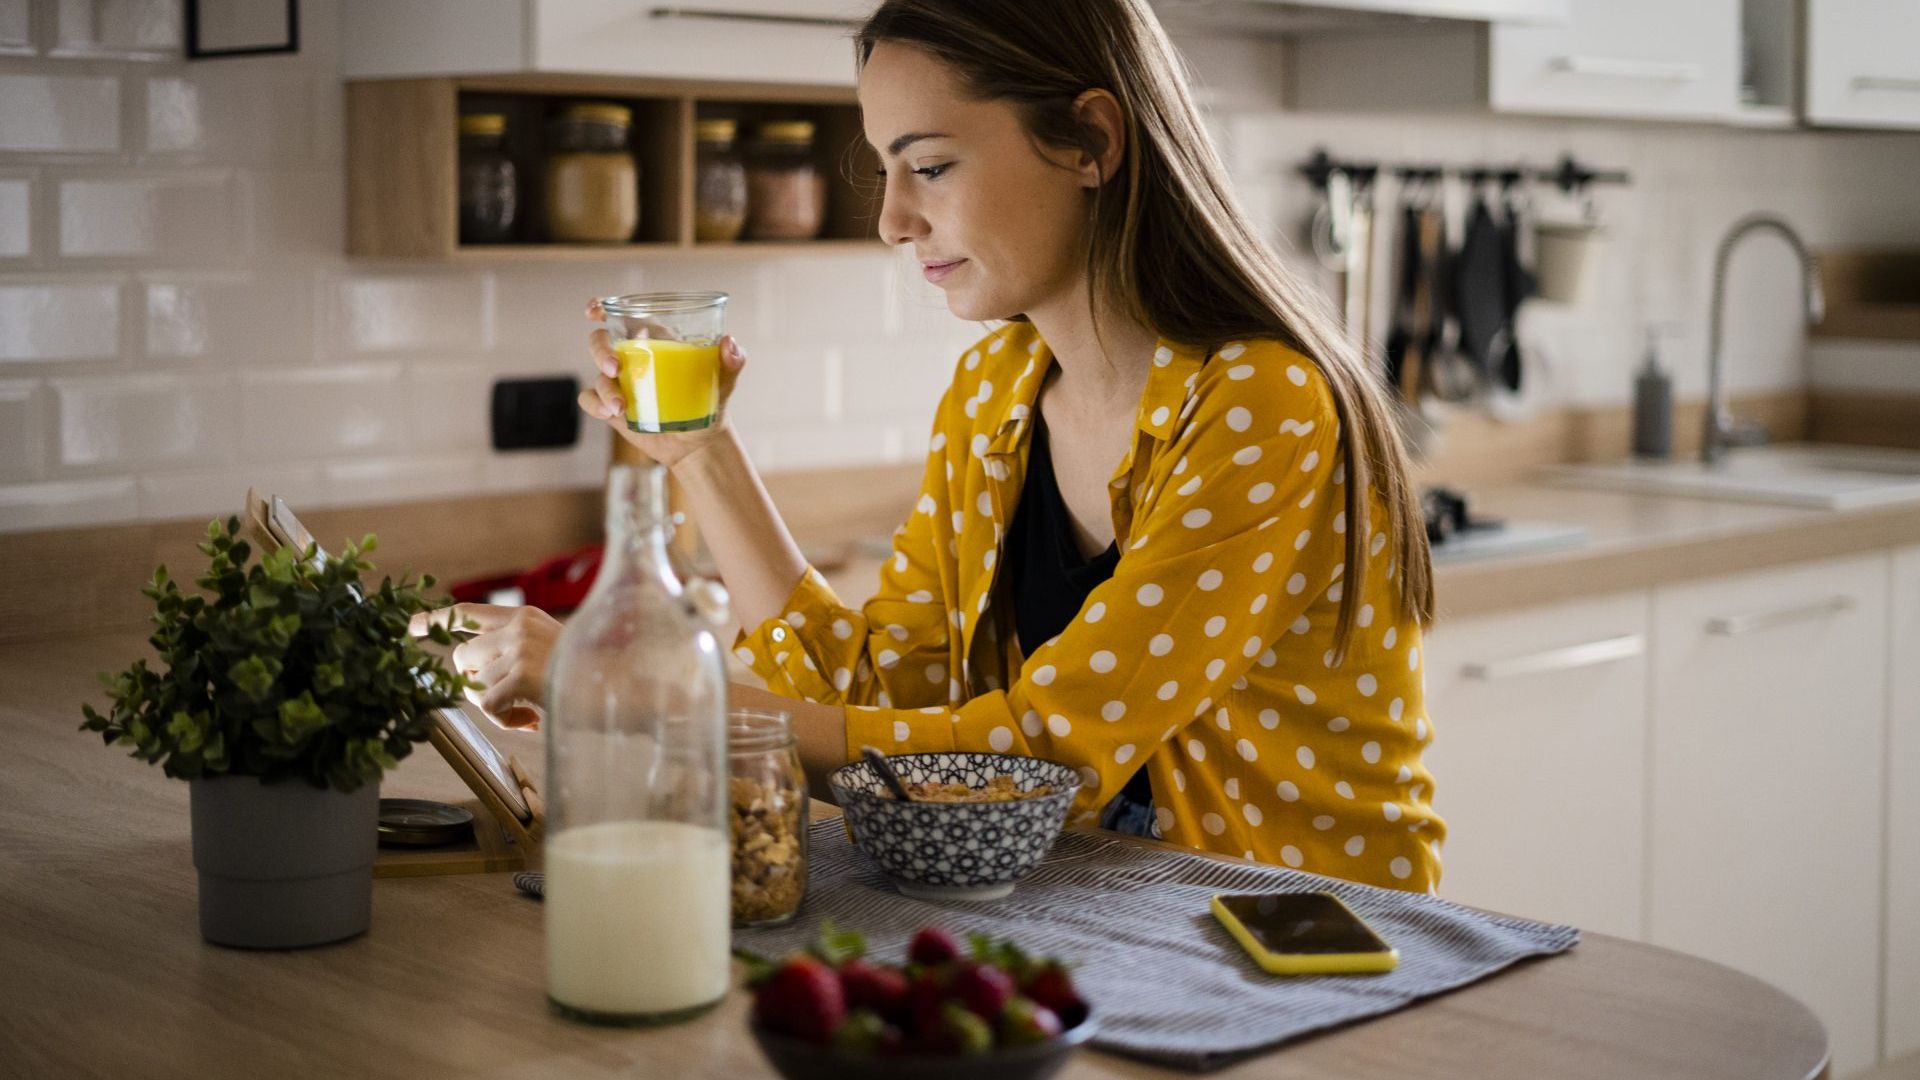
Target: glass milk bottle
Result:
[638, 888]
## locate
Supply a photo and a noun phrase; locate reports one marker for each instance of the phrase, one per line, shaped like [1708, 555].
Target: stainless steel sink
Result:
[1807, 474]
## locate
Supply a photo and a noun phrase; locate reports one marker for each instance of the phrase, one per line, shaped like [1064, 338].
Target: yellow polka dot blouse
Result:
[1205, 659]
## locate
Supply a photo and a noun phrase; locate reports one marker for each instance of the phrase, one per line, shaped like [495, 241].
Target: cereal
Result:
[769, 853]
[998, 789]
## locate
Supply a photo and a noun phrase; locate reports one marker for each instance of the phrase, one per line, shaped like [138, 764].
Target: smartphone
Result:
[1304, 934]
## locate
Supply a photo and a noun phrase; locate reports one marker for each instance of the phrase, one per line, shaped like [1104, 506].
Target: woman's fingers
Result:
[473, 656]
[472, 618]
[600, 345]
[732, 360]
[511, 700]
[603, 400]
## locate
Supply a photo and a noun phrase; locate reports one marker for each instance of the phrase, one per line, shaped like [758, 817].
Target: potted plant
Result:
[286, 691]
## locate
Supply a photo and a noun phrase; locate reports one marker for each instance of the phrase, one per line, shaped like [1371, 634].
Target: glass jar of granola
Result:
[768, 813]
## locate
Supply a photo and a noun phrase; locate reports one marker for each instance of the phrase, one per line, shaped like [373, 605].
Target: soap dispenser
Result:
[1652, 405]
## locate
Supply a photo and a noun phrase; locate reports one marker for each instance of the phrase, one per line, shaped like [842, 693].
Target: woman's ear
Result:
[1099, 111]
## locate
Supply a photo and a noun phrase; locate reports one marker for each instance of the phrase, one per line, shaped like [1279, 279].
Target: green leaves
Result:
[278, 668]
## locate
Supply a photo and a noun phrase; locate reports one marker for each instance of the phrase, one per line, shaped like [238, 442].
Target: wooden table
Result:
[103, 973]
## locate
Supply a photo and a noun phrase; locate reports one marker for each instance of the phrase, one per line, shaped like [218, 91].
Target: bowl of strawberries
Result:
[944, 1014]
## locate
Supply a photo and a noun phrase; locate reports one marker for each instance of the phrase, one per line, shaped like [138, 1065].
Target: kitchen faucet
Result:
[1720, 430]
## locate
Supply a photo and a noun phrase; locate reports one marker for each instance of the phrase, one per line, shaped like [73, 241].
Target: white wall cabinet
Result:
[1863, 69]
[776, 41]
[1629, 58]
[1540, 760]
[1901, 1007]
[1769, 725]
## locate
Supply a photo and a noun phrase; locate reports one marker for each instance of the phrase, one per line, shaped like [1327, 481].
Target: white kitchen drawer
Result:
[779, 41]
[1539, 760]
[1863, 63]
[1902, 1005]
[1769, 736]
[1627, 58]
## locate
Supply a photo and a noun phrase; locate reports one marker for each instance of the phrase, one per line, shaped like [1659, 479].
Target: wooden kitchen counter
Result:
[104, 972]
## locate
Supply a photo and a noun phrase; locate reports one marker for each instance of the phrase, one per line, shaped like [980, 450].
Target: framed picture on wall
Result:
[218, 28]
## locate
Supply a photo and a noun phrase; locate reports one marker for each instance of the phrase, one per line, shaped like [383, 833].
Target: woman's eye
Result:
[932, 172]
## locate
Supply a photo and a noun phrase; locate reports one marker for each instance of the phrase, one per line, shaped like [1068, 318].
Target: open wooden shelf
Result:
[403, 162]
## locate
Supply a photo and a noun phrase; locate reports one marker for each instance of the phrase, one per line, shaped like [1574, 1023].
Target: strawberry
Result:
[803, 999]
[958, 1032]
[861, 1033]
[1052, 987]
[1026, 1023]
[933, 946]
[983, 989]
[868, 986]
[925, 996]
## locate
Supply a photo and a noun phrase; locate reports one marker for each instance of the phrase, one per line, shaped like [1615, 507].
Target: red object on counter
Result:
[556, 586]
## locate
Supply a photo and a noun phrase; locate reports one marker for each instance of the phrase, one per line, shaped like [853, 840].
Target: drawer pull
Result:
[1624, 67]
[1885, 82]
[1735, 625]
[1588, 654]
[754, 17]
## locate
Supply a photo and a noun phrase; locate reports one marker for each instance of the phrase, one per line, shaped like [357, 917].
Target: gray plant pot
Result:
[285, 865]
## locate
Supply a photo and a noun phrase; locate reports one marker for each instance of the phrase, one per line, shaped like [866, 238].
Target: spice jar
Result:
[593, 185]
[768, 795]
[488, 196]
[786, 193]
[719, 184]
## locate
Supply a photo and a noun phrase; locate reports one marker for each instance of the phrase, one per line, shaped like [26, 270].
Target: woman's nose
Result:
[900, 222]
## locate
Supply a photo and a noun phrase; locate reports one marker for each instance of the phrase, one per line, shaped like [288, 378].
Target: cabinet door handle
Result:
[753, 17]
[1735, 625]
[1626, 67]
[1586, 654]
[1885, 82]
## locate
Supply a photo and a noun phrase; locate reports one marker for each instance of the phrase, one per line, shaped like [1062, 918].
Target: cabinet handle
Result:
[1885, 82]
[1588, 654]
[753, 17]
[1735, 625]
[1624, 67]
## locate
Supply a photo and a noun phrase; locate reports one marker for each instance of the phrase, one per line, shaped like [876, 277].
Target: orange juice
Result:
[669, 385]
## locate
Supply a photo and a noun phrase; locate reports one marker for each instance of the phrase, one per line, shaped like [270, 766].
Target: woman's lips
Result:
[937, 270]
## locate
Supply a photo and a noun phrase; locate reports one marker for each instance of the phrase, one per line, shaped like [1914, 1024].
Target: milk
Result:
[637, 917]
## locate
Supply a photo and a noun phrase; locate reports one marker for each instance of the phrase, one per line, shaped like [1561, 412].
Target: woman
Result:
[1166, 532]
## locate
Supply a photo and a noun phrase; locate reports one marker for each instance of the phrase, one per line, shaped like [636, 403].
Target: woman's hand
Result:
[507, 655]
[604, 401]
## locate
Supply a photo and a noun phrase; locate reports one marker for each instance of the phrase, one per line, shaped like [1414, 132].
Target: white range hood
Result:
[1298, 16]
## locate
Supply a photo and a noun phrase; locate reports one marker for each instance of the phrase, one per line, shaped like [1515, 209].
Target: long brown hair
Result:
[1168, 245]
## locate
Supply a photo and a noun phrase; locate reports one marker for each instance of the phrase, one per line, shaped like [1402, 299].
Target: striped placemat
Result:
[1167, 982]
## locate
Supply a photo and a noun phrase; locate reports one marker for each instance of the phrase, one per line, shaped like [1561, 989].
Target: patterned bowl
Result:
[956, 851]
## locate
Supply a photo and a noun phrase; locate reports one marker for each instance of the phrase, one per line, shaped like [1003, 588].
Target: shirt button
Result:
[779, 633]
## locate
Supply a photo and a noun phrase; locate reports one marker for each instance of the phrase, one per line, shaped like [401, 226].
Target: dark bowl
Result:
[956, 851]
[797, 1059]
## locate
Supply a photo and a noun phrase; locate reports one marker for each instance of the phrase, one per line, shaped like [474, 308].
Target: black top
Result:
[1051, 580]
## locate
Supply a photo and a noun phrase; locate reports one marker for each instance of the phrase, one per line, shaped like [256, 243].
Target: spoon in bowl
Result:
[884, 768]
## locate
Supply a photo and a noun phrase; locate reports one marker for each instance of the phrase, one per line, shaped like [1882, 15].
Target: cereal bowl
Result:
[956, 850]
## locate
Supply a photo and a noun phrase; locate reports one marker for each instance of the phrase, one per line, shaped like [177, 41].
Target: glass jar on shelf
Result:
[593, 184]
[768, 791]
[637, 851]
[786, 191]
[489, 194]
[719, 184]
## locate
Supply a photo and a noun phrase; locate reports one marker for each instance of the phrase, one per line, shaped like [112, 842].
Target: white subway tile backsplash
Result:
[260, 319]
[447, 312]
[187, 217]
[72, 114]
[16, 27]
[228, 113]
[315, 413]
[66, 504]
[897, 381]
[299, 215]
[832, 296]
[583, 465]
[135, 422]
[23, 430]
[449, 406]
[16, 217]
[219, 491]
[783, 382]
[52, 320]
[542, 310]
[142, 29]
[826, 446]
[367, 483]
[754, 310]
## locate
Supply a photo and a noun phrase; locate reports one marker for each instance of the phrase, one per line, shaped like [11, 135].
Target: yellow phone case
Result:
[1304, 963]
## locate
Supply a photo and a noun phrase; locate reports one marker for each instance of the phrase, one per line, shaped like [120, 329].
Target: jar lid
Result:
[423, 823]
[604, 112]
[787, 131]
[719, 130]
[483, 124]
